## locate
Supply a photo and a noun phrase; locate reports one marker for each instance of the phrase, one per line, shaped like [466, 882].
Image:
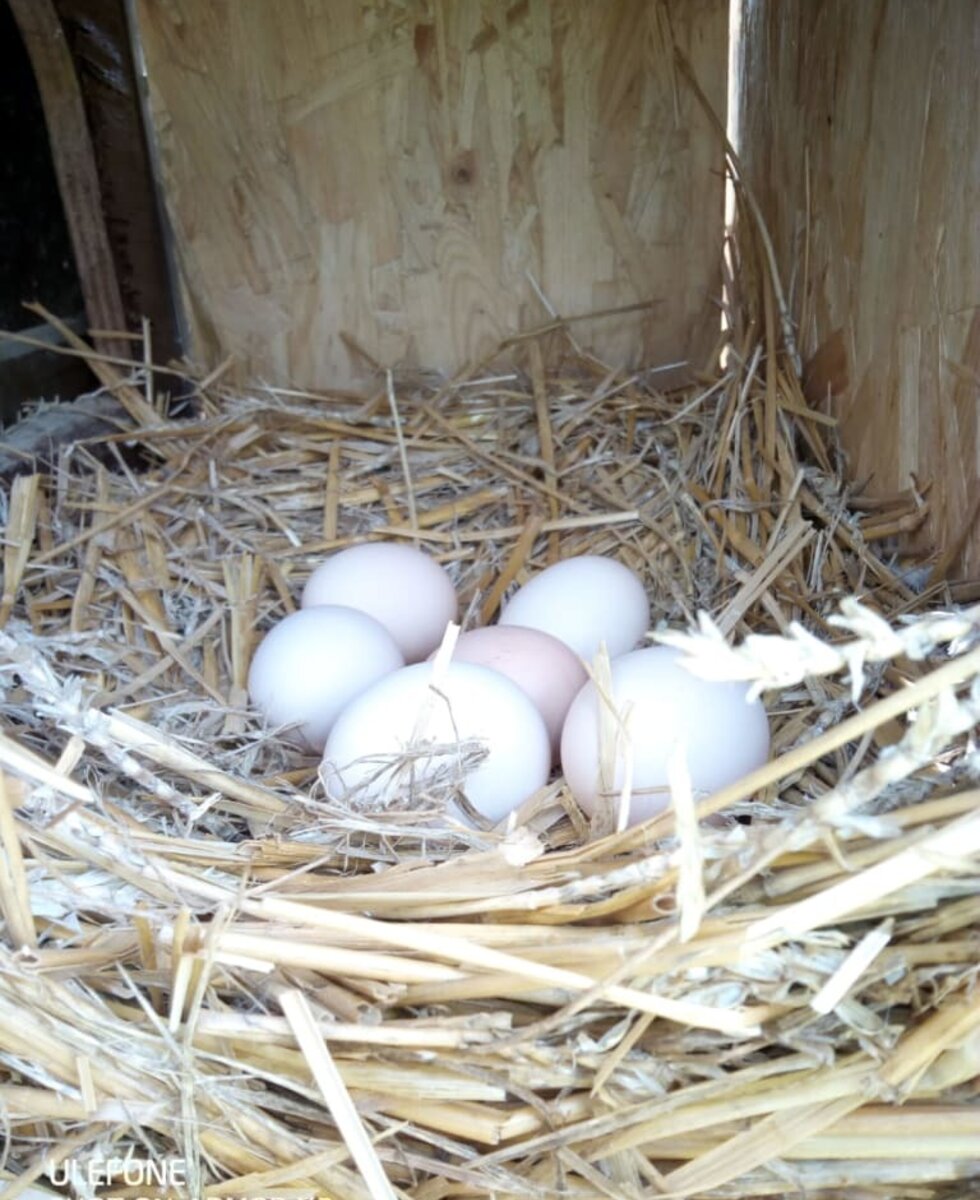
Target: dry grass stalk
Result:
[18, 536]
[297, 1011]
[15, 900]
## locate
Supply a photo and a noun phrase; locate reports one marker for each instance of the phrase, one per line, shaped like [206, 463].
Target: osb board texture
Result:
[884, 98]
[396, 172]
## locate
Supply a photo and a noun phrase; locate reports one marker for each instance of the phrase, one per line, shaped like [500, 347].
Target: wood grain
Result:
[389, 175]
[881, 99]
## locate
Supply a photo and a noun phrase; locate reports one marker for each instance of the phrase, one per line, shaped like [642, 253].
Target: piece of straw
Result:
[297, 1011]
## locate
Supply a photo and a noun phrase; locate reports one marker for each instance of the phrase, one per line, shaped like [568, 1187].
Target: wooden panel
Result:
[394, 171]
[883, 98]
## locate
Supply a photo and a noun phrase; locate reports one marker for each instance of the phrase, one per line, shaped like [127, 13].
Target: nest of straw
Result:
[770, 992]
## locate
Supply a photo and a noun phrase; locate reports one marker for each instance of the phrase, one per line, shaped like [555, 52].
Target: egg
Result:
[544, 668]
[403, 588]
[723, 734]
[311, 664]
[439, 717]
[583, 602]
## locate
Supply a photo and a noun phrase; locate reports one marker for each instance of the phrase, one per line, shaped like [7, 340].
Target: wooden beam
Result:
[99, 38]
[74, 163]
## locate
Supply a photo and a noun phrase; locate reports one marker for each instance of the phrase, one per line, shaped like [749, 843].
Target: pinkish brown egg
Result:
[544, 668]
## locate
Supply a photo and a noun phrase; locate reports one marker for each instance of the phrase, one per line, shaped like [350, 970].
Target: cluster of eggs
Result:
[357, 675]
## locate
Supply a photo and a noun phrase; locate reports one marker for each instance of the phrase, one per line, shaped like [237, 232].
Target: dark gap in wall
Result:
[34, 247]
[36, 260]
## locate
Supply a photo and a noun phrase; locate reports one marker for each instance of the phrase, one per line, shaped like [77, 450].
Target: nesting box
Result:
[691, 286]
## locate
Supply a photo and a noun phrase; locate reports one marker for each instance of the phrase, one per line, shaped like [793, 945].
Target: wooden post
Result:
[74, 164]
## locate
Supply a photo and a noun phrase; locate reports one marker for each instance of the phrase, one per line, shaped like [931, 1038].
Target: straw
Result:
[755, 993]
[300, 1017]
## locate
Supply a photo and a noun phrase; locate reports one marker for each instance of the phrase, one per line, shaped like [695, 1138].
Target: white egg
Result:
[583, 602]
[470, 704]
[662, 705]
[403, 588]
[313, 663]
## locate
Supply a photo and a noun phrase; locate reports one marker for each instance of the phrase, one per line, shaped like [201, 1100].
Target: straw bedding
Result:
[771, 995]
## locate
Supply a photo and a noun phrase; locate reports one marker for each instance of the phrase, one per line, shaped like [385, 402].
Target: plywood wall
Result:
[860, 129]
[398, 171]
